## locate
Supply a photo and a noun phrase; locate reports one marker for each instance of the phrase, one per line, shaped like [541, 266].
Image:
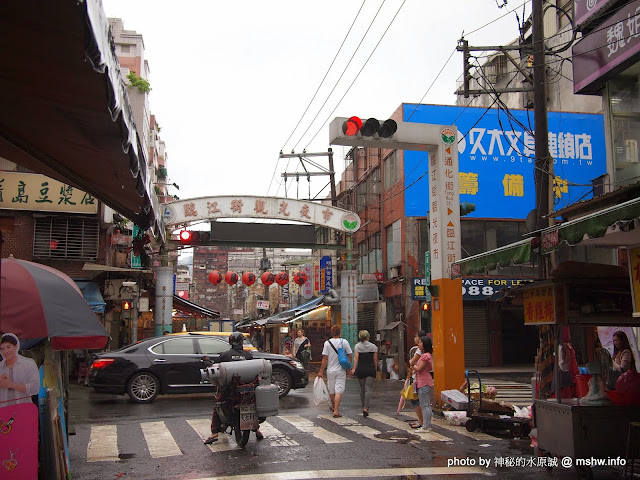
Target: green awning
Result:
[514, 254]
[610, 227]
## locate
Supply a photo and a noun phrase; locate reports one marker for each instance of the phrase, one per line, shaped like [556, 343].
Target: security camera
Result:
[129, 284]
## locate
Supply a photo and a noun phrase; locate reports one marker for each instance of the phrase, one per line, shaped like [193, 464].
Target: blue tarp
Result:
[92, 295]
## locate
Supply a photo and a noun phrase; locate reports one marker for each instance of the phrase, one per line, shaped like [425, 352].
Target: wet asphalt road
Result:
[385, 454]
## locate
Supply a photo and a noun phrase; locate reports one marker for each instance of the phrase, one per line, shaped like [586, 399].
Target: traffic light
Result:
[354, 125]
[426, 314]
[466, 208]
[126, 305]
[192, 237]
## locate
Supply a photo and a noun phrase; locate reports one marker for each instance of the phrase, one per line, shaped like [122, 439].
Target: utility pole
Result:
[543, 166]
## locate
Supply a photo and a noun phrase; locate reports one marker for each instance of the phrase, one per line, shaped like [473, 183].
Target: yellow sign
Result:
[634, 266]
[32, 191]
[539, 306]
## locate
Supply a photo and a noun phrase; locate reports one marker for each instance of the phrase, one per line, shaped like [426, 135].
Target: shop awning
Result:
[293, 313]
[91, 293]
[65, 109]
[610, 227]
[517, 253]
[180, 303]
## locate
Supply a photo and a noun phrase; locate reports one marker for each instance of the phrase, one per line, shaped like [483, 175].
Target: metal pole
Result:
[542, 171]
[134, 315]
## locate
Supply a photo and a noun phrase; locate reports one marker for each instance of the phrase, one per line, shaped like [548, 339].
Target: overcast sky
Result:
[230, 80]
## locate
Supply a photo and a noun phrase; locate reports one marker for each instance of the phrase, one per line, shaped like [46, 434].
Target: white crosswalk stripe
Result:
[159, 440]
[103, 444]
[307, 426]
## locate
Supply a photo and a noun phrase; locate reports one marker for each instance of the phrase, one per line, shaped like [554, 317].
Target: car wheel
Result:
[282, 380]
[143, 387]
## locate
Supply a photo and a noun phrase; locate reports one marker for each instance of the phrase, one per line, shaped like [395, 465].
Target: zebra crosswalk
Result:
[159, 439]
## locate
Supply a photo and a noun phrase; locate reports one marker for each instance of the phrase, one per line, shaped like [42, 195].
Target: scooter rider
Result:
[236, 353]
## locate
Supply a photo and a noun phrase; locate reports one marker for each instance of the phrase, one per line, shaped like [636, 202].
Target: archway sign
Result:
[275, 208]
[441, 143]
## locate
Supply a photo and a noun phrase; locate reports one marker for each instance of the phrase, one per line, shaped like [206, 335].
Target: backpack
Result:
[342, 355]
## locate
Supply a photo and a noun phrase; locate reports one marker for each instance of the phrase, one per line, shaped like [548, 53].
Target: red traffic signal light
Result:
[369, 128]
[186, 236]
[126, 305]
[425, 307]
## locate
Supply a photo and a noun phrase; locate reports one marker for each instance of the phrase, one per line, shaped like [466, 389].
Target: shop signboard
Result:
[307, 287]
[496, 156]
[584, 11]
[539, 305]
[634, 276]
[136, 261]
[481, 288]
[326, 275]
[419, 289]
[262, 305]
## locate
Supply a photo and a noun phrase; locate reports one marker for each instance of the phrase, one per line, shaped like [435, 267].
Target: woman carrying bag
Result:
[364, 367]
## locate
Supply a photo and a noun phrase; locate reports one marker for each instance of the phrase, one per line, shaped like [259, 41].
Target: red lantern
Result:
[300, 278]
[215, 277]
[248, 278]
[267, 278]
[231, 278]
[282, 278]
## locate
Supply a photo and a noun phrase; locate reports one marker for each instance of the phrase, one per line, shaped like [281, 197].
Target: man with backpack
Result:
[336, 356]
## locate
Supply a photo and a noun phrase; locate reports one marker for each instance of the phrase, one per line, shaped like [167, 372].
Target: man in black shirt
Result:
[236, 353]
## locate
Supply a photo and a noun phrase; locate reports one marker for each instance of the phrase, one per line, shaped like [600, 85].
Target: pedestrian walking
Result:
[302, 348]
[415, 354]
[364, 367]
[336, 374]
[424, 380]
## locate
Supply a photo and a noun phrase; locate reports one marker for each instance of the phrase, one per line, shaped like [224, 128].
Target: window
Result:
[175, 346]
[125, 48]
[394, 248]
[390, 170]
[210, 346]
[66, 238]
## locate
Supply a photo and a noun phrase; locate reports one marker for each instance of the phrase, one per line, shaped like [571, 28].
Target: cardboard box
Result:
[455, 398]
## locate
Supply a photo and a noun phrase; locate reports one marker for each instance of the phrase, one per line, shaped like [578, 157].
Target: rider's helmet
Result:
[236, 338]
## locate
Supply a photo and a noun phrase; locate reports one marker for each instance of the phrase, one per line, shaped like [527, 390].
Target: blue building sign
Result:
[326, 275]
[496, 158]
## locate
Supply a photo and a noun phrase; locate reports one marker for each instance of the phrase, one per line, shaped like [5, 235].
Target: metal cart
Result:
[487, 419]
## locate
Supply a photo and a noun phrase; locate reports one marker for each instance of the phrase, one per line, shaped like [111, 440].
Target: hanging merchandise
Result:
[248, 278]
[231, 278]
[215, 277]
[282, 278]
[267, 278]
[300, 278]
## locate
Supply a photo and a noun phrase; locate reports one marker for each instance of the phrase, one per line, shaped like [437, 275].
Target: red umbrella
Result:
[38, 301]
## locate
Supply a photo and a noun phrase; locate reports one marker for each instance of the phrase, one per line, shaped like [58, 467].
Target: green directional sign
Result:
[136, 261]
[427, 268]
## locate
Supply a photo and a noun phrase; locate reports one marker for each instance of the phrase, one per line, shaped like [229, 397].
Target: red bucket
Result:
[582, 384]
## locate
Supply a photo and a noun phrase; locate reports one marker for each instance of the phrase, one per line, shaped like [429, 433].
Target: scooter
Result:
[245, 396]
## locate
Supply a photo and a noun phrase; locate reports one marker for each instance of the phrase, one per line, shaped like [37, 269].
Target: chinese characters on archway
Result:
[28, 191]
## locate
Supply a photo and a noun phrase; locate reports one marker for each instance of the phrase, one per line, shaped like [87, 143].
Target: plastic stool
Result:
[633, 446]
[82, 372]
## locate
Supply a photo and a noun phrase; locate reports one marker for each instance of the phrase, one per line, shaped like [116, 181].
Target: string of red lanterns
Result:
[249, 278]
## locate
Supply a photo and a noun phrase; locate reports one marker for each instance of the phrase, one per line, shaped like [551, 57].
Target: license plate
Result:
[248, 417]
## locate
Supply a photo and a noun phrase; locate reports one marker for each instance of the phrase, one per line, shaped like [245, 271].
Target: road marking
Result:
[355, 426]
[159, 440]
[275, 437]
[203, 427]
[103, 444]
[400, 425]
[307, 426]
[461, 430]
[382, 472]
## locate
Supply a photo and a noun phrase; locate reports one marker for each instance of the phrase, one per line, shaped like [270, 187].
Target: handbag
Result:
[320, 393]
[342, 355]
[408, 392]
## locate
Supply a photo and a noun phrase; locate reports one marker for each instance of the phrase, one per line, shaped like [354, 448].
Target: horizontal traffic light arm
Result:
[409, 136]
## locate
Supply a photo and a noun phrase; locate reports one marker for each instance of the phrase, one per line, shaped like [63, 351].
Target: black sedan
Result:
[168, 364]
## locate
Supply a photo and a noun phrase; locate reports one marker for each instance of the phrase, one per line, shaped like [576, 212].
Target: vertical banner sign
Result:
[326, 274]
[427, 268]
[444, 204]
[136, 262]
[316, 279]
[307, 287]
[634, 275]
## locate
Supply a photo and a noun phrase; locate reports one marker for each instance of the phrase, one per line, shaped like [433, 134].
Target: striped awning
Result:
[513, 254]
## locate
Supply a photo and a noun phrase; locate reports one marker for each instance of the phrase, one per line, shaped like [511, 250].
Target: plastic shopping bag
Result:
[320, 392]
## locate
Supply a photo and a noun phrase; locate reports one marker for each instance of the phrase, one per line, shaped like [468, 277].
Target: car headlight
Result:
[296, 364]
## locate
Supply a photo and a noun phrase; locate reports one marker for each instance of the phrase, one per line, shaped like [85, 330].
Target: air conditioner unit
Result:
[394, 272]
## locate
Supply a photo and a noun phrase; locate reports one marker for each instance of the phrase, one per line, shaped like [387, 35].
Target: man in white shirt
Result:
[19, 377]
[336, 375]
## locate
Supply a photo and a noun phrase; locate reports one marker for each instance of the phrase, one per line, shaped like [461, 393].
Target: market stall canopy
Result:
[38, 301]
[65, 110]
[293, 313]
[610, 227]
[180, 303]
[92, 295]
[517, 253]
